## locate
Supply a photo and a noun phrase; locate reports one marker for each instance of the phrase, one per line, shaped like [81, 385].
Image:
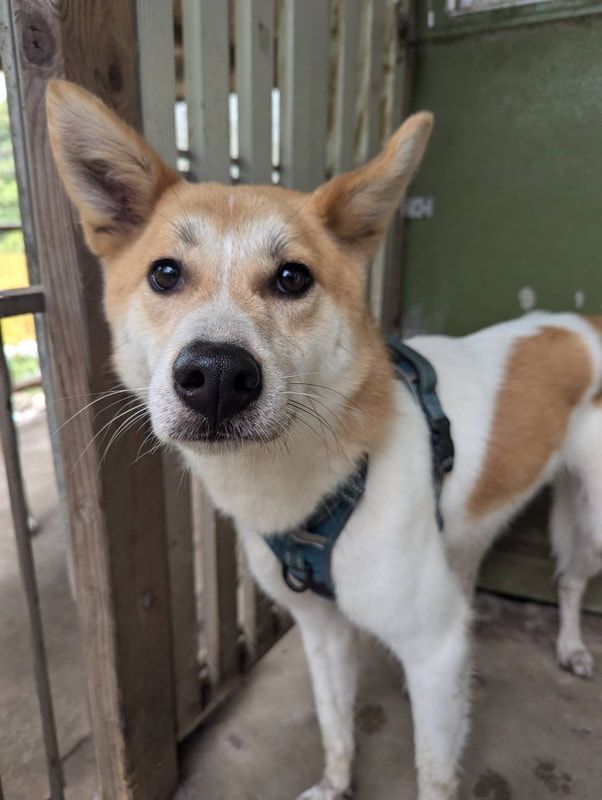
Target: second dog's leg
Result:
[330, 647]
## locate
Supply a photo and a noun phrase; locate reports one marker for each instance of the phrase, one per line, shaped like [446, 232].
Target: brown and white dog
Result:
[238, 316]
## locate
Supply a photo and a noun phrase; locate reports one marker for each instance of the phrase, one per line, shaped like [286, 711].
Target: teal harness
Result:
[306, 552]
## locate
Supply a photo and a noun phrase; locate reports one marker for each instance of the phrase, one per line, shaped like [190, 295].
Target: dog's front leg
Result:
[438, 678]
[330, 646]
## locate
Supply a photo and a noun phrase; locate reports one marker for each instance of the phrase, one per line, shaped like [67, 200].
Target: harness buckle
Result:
[443, 445]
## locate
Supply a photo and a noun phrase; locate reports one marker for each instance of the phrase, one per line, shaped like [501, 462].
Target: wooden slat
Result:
[373, 130]
[14, 476]
[257, 618]
[220, 606]
[115, 507]
[399, 64]
[157, 72]
[182, 593]
[207, 76]
[19, 143]
[158, 95]
[207, 80]
[347, 85]
[373, 78]
[29, 300]
[254, 81]
[304, 56]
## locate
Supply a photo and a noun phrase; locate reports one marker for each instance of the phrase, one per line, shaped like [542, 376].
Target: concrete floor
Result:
[22, 765]
[537, 732]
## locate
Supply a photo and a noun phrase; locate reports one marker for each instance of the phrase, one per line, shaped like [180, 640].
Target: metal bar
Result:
[254, 80]
[29, 300]
[207, 78]
[8, 227]
[18, 504]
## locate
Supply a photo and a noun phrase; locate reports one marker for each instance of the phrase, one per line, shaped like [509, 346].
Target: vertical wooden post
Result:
[156, 48]
[116, 504]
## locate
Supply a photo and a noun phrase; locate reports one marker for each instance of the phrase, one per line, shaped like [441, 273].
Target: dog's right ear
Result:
[111, 174]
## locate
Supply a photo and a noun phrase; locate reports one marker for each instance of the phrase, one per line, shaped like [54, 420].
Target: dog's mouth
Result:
[231, 433]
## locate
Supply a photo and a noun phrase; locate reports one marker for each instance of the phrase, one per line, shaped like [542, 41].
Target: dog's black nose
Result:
[216, 379]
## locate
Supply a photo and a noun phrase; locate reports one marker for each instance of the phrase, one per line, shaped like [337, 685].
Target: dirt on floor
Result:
[537, 731]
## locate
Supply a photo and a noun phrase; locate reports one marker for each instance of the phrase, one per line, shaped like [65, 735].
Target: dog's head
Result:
[236, 312]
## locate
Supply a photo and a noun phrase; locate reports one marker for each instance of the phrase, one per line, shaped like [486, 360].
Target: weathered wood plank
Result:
[399, 58]
[158, 95]
[254, 81]
[305, 58]
[207, 81]
[29, 300]
[157, 73]
[372, 89]
[115, 507]
[346, 85]
[14, 476]
[220, 602]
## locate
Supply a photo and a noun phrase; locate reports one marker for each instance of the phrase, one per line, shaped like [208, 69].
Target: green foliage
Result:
[9, 199]
[23, 367]
[11, 242]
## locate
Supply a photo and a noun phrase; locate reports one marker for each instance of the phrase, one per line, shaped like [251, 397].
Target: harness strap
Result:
[306, 552]
[421, 379]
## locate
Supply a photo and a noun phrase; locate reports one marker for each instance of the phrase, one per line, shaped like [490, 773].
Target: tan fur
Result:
[112, 175]
[546, 377]
[357, 206]
[133, 208]
[596, 322]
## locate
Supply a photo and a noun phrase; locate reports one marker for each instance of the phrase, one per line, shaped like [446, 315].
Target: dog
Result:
[238, 315]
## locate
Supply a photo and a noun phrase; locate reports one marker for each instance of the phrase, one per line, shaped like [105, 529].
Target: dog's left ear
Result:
[111, 174]
[356, 207]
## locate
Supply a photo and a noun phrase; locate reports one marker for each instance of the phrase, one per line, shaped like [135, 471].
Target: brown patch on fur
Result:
[546, 376]
[595, 322]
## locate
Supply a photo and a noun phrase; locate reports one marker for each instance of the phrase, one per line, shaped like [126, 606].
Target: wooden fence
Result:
[169, 616]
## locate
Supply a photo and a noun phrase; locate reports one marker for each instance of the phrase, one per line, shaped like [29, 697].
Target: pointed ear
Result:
[111, 174]
[356, 207]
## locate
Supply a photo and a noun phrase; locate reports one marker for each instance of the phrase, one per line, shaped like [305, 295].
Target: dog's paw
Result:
[578, 660]
[325, 791]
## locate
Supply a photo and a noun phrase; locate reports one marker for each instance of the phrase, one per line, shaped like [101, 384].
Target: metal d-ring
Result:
[294, 583]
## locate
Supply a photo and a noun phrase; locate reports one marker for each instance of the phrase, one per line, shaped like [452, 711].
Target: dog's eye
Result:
[293, 279]
[164, 274]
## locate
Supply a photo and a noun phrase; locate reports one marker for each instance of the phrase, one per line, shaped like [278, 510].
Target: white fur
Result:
[396, 575]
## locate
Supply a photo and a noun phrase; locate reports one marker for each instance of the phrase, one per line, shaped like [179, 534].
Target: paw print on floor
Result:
[492, 786]
[556, 782]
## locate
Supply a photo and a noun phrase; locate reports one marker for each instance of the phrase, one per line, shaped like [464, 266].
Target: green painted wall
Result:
[515, 168]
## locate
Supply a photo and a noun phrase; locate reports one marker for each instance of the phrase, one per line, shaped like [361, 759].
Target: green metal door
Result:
[510, 192]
